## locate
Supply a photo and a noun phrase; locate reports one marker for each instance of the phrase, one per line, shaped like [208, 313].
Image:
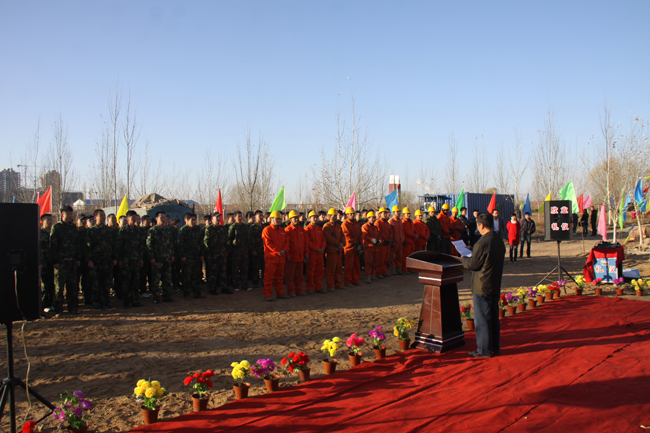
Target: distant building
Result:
[9, 181]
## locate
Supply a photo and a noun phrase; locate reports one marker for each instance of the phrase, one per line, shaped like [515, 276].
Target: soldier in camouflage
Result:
[47, 271]
[161, 254]
[145, 270]
[64, 247]
[189, 250]
[215, 242]
[84, 283]
[256, 248]
[130, 255]
[238, 242]
[207, 220]
[176, 267]
[101, 260]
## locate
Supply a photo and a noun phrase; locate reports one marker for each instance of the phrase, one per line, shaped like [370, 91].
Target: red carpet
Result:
[574, 364]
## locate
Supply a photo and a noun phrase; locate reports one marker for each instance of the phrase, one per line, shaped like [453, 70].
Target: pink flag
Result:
[353, 202]
[586, 203]
[602, 223]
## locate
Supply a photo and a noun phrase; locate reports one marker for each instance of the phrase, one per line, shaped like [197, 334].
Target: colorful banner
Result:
[124, 208]
[460, 202]
[279, 203]
[493, 203]
[45, 202]
[392, 199]
[569, 193]
[218, 207]
[527, 207]
[352, 202]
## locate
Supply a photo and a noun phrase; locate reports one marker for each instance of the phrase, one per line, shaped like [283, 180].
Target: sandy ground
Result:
[104, 354]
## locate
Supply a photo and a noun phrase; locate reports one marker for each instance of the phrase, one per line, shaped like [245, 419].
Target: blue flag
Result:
[638, 192]
[643, 205]
[392, 199]
[527, 207]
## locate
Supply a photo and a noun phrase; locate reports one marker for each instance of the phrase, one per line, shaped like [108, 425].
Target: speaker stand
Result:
[11, 381]
[559, 268]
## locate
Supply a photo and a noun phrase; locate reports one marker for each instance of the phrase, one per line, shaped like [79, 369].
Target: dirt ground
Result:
[105, 354]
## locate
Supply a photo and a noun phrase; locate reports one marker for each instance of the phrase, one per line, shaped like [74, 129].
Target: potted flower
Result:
[240, 371]
[559, 286]
[596, 283]
[550, 294]
[512, 300]
[329, 348]
[521, 303]
[466, 312]
[299, 362]
[542, 290]
[378, 337]
[532, 297]
[148, 393]
[355, 343]
[201, 383]
[639, 285]
[71, 411]
[580, 282]
[617, 282]
[503, 304]
[401, 331]
[262, 369]
[31, 427]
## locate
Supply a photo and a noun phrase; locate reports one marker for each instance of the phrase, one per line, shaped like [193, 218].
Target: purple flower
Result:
[78, 411]
[63, 417]
[78, 394]
[86, 404]
[68, 404]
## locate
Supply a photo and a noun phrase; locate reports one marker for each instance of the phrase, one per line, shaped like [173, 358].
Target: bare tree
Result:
[501, 174]
[149, 174]
[551, 168]
[113, 140]
[212, 177]
[130, 136]
[254, 174]
[32, 168]
[452, 181]
[517, 164]
[59, 161]
[478, 178]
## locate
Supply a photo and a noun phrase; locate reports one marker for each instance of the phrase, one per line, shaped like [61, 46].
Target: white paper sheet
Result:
[462, 248]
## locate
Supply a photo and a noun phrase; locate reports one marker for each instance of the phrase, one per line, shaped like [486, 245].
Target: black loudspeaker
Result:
[557, 220]
[19, 257]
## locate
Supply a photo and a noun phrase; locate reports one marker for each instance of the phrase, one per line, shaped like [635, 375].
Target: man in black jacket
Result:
[594, 221]
[527, 230]
[486, 265]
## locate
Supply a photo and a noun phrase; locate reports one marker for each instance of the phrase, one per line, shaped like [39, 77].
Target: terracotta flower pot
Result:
[556, 294]
[619, 292]
[502, 314]
[549, 296]
[330, 367]
[532, 303]
[272, 384]
[470, 324]
[241, 391]
[540, 299]
[404, 344]
[77, 430]
[521, 307]
[639, 292]
[511, 310]
[355, 359]
[579, 292]
[303, 375]
[150, 416]
[200, 404]
[599, 292]
[380, 351]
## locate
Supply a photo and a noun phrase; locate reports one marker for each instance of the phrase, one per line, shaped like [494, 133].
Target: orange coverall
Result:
[368, 233]
[315, 269]
[398, 238]
[409, 233]
[383, 251]
[352, 232]
[296, 252]
[333, 237]
[455, 227]
[423, 234]
[445, 233]
[274, 240]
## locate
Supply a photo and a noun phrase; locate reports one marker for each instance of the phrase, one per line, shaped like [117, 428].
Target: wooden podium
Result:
[439, 327]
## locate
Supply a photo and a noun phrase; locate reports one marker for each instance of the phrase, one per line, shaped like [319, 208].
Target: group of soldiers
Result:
[96, 253]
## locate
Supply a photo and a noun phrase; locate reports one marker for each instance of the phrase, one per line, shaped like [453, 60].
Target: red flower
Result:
[196, 375]
[209, 384]
[291, 369]
[291, 355]
[284, 361]
[202, 380]
[188, 380]
[208, 373]
[28, 427]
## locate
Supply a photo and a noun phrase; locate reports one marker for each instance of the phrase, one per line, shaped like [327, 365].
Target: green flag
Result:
[279, 203]
[621, 210]
[460, 202]
[568, 193]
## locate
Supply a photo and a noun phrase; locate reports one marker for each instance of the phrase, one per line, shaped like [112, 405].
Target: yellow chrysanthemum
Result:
[336, 339]
[145, 385]
[245, 364]
[234, 364]
[395, 331]
[332, 352]
[150, 392]
[138, 391]
[140, 382]
[155, 385]
[161, 392]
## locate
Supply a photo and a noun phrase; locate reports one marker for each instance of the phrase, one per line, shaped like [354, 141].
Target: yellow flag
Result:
[124, 208]
[541, 208]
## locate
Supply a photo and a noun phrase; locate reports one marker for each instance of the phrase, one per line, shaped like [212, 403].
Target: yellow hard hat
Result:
[276, 214]
[445, 206]
[406, 210]
[418, 212]
[395, 209]
[311, 214]
[431, 209]
[293, 214]
[332, 211]
[454, 209]
[370, 214]
[349, 210]
[381, 209]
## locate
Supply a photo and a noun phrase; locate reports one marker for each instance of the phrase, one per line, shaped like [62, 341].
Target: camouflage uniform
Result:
[256, 249]
[99, 250]
[433, 244]
[161, 249]
[64, 245]
[145, 270]
[204, 253]
[84, 282]
[189, 247]
[129, 252]
[216, 252]
[117, 272]
[175, 266]
[238, 242]
[47, 271]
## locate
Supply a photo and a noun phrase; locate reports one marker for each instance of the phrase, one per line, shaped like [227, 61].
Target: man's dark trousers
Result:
[486, 319]
[526, 239]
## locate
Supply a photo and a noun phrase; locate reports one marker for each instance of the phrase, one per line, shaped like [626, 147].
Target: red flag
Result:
[218, 206]
[493, 203]
[580, 200]
[45, 202]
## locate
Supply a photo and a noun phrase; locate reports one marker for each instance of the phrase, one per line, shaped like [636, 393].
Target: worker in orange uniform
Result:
[296, 255]
[383, 251]
[371, 244]
[352, 233]
[334, 238]
[445, 229]
[455, 227]
[316, 249]
[422, 231]
[275, 240]
[399, 240]
[410, 236]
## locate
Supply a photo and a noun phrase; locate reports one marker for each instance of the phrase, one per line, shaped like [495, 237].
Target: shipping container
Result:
[504, 202]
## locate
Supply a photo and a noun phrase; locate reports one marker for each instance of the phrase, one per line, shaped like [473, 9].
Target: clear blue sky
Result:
[201, 73]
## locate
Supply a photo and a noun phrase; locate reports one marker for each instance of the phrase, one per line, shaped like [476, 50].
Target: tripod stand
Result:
[559, 268]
